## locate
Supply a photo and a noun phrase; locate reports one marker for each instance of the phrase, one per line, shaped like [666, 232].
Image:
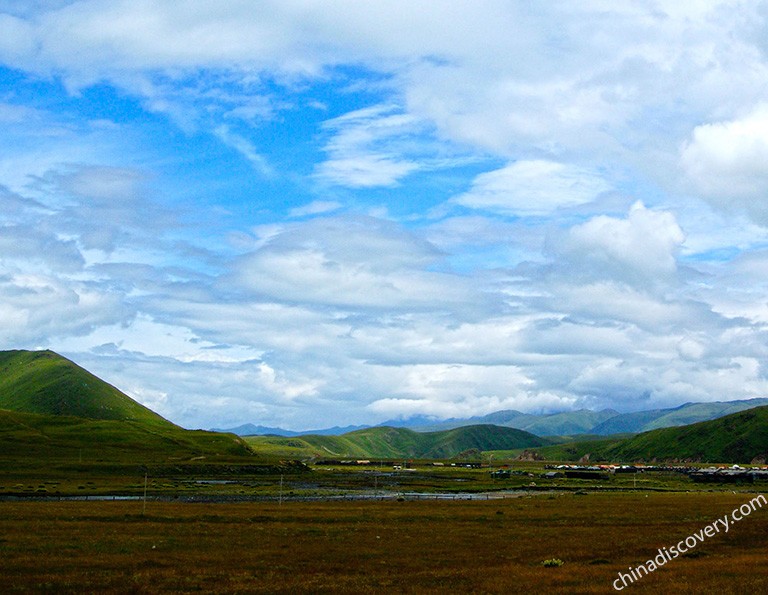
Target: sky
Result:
[305, 214]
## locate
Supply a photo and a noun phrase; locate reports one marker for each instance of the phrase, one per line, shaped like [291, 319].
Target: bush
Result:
[552, 562]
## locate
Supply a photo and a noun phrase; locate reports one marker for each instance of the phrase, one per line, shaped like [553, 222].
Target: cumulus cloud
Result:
[39, 308]
[640, 249]
[725, 162]
[454, 390]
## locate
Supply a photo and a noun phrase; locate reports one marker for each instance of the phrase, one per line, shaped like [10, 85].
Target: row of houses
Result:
[733, 474]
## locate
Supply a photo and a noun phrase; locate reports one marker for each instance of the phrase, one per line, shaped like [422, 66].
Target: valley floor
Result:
[429, 546]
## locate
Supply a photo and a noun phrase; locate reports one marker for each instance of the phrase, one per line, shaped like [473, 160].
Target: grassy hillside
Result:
[634, 422]
[49, 439]
[605, 422]
[47, 383]
[396, 443]
[571, 422]
[642, 421]
[736, 438]
[696, 412]
[54, 412]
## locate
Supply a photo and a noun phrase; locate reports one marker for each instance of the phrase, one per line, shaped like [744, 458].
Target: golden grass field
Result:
[494, 546]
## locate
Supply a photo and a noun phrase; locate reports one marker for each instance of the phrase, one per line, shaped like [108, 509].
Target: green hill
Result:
[642, 421]
[736, 438]
[605, 422]
[34, 438]
[47, 383]
[695, 412]
[397, 443]
[551, 424]
[53, 411]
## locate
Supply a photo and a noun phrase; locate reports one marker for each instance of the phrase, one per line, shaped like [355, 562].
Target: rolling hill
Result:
[52, 410]
[31, 439]
[605, 422]
[688, 413]
[736, 438]
[46, 383]
[398, 443]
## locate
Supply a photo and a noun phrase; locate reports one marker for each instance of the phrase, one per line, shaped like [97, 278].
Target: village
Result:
[713, 474]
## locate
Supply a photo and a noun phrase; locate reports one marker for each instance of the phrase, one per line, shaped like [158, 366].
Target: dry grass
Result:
[378, 547]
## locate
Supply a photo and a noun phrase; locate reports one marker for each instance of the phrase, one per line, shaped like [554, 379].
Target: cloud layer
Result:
[307, 214]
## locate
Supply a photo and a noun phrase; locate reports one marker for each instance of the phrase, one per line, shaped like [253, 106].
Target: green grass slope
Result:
[634, 422]
[397, 443]
[696, 412]
[40, 439]
[736, 438]
[46, 383]
[53, 412]
[642, 421]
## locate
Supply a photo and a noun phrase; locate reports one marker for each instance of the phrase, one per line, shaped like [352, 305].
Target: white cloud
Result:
[322, 320]
[316, 207]
[645, 384]
[613, 300]
[40, 308]
[725, 162]
[363, 149]
[349, 262]
[532, 187]
[365, 171]
[246, 148]
[640, 249]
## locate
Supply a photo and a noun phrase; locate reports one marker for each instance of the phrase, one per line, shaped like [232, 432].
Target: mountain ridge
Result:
[386, 442]
[604, 422]
[740, 437]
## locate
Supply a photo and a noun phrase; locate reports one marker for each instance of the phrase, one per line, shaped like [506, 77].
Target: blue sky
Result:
[303, 214]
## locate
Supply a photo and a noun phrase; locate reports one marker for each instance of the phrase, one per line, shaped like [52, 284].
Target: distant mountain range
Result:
[736, 438]
[51, 410]
[570, 423]
[254, 430]
[385, 442]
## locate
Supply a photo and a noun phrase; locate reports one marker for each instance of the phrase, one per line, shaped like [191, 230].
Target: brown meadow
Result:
[380, 547]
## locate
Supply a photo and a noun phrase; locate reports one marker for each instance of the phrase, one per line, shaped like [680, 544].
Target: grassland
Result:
[380, 547]
[52, 455]
[29, 439]
[273, 525]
